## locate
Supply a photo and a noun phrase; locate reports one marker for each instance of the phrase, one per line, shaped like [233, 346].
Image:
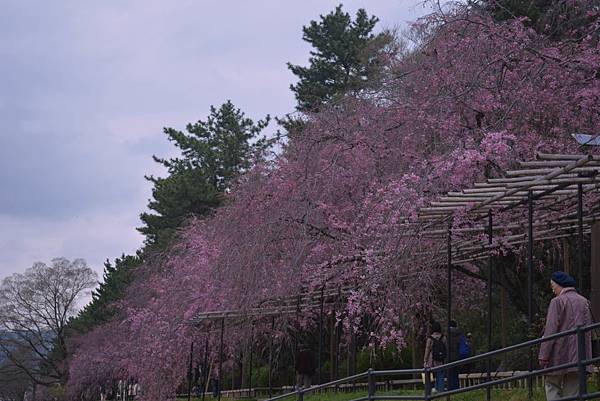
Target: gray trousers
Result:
[561, 386]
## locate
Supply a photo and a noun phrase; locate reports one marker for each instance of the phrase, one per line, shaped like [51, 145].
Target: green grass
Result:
[497, 395]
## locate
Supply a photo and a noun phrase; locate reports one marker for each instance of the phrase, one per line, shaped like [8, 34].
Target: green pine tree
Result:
[116, 279]
[346, 56]
[213, 153]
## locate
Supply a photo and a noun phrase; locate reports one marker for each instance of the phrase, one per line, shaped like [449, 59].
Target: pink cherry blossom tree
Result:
[338, 207]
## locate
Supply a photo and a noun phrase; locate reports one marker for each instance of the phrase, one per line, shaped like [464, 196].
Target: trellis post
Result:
[271, 356]
[449, 289]
[490, 303]
[530, 285]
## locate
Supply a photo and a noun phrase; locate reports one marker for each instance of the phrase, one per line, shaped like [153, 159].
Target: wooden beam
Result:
[512, 173]
[553, 156]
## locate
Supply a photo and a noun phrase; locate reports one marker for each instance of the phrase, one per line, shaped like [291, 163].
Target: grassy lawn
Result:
[497, 395]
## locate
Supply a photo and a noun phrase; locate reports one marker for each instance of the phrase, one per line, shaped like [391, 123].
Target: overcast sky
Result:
[86, 87]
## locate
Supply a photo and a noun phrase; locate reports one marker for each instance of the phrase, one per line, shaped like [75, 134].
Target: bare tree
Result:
[35, 308]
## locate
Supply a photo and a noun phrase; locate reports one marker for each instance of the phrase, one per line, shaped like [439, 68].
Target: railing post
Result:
[301, 395]
[581, 356]
[371, 380]
[427, 383]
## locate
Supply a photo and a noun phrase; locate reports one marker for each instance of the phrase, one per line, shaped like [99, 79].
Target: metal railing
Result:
[371, 375]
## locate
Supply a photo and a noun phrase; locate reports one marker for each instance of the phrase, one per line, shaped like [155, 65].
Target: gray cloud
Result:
[85, 89]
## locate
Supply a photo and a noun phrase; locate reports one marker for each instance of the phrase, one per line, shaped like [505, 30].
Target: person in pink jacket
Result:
[566, 311]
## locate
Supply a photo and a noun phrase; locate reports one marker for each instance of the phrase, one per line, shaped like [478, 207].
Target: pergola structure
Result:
[553, 185]
[270, 308]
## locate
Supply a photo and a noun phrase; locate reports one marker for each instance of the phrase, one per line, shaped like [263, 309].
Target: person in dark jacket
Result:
[435, 354]
[305, 367]
[216, 385]
[454, 354]
[467, 368]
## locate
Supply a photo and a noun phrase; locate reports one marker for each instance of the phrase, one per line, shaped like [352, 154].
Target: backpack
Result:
[464, 349]
[438, 349]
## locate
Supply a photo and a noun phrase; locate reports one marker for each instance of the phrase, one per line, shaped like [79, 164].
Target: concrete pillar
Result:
[595, 270]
